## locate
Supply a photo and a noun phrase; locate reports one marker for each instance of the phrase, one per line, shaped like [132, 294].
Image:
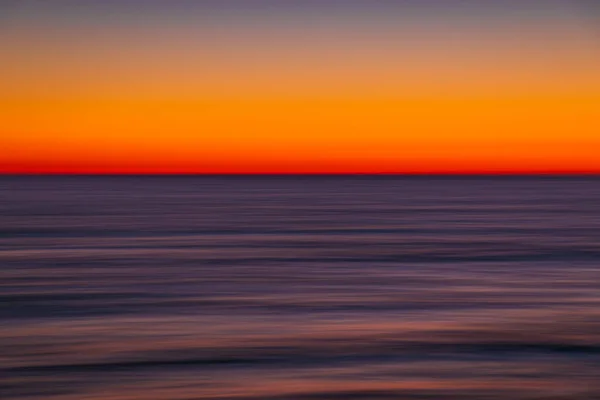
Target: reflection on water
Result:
[185, 288]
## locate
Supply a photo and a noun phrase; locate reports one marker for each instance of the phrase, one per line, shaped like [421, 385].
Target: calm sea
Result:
[300, 288]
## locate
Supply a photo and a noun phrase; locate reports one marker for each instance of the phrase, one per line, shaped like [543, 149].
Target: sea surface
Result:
[300, 288]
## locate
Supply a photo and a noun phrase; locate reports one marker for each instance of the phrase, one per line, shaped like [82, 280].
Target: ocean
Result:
[300, 287]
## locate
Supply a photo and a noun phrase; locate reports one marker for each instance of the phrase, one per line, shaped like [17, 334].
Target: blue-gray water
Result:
[300, 288]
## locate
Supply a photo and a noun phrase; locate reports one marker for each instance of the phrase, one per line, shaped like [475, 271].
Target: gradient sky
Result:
[305, 86]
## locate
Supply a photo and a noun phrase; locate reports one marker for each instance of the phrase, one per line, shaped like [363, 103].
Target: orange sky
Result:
[365, 91]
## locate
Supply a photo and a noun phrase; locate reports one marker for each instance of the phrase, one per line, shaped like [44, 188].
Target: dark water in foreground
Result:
[299, 288]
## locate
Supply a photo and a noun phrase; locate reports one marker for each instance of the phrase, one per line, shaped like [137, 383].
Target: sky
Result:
[299, 86]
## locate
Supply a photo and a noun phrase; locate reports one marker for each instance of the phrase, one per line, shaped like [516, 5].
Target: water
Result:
[300, 288]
